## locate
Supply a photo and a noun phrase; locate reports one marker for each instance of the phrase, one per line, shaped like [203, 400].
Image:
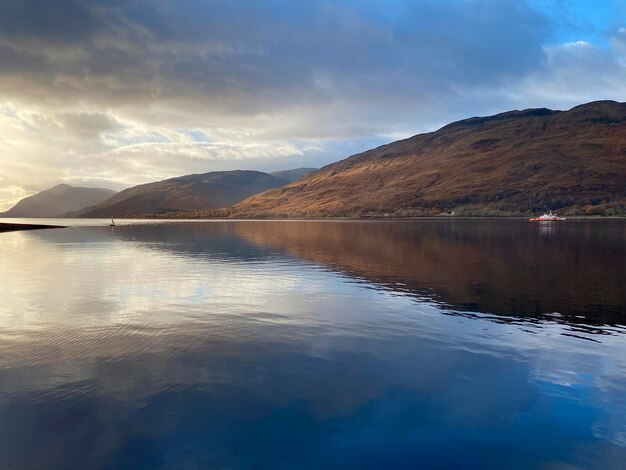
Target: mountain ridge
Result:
[58, 200]
[181, 194]
[292, 175]
[514, 162]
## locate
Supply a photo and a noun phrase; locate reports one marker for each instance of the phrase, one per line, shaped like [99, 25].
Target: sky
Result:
[113, 93]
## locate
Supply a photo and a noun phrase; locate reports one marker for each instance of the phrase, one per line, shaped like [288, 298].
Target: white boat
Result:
[549, 217]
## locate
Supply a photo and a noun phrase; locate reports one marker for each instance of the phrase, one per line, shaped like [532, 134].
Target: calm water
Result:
[429, 344]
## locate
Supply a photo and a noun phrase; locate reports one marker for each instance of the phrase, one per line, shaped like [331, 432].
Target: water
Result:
[427, 344]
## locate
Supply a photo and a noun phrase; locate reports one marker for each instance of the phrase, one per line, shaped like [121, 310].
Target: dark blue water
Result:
[428, 344]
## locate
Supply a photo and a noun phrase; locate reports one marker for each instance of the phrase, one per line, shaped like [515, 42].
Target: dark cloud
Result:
[247, 56]
[58, 22]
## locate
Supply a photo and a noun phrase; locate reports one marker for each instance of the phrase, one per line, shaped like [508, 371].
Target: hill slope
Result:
[58, 200]
[292, 175]
[517, 161]
[185, 193]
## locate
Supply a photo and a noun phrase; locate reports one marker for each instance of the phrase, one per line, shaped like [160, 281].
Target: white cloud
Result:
[573, 73]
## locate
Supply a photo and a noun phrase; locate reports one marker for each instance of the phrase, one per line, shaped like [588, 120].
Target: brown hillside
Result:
[518, 161]
[185, 193]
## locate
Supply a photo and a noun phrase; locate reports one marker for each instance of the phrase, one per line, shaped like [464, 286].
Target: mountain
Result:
[58, 200]
[515, 162]
[185, 193]
[292, 175]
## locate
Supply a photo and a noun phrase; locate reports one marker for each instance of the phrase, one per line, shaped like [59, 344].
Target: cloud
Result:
[577, 72]
[84, 80]
[88, 124]
[248, 57]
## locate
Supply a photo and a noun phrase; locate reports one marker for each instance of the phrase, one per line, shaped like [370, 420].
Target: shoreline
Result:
[14, 226]
[9, 227]
[429, 217]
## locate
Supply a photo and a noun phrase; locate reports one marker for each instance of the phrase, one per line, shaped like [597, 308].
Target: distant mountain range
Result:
[58, 200]
[189, 193]
[169, 197]
[515, 162]
[512, 163]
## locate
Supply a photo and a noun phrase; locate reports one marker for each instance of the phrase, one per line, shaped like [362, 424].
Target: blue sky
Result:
[120, 92]
[583, 20]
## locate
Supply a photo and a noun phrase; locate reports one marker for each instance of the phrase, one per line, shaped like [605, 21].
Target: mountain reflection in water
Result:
[313, 345]
[571, 272]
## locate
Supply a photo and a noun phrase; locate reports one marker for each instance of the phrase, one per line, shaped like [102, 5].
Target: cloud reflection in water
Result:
[239, 345]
